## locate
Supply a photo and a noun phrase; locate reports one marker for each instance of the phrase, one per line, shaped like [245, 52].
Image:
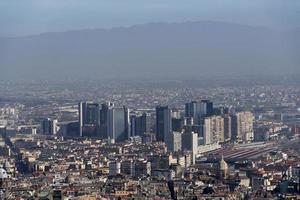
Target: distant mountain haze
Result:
[157, 50]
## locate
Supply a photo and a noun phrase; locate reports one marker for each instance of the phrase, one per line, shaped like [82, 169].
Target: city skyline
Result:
[227, 141]
[157, 99]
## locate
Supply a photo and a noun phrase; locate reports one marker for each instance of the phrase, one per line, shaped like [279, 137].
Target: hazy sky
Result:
[25, 17]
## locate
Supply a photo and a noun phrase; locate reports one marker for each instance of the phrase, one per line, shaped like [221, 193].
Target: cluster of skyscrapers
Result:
[199, 124]
[105, 121]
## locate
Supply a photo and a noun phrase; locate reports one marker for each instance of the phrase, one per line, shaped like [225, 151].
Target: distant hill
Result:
[155, 50]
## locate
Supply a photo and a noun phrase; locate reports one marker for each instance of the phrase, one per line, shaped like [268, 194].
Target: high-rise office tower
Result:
[192, 111]
[177, 124]
[89, 119]
[190, 142]
[70, 129]
[207, 108]
[141, 124]
[132, 119]
[199, 110]
[177, 121]
[213, 130]
[163, 124]
[242, 126]
[138, 124]
[48, 126]
[227, 127]
[104, 119]
[234, 128]
[118, 123]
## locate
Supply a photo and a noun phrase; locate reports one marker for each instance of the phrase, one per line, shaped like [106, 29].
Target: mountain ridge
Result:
[137, 26]
[188, 49]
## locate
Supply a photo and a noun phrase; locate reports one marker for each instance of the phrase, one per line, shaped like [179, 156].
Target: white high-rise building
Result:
[213, 130]
[242, 126]
[174, 144]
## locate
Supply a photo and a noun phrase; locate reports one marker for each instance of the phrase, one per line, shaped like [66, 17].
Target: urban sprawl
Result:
[233, 149]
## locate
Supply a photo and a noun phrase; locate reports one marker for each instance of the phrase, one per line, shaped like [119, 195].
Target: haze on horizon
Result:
[28, 17]
[160, 38]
